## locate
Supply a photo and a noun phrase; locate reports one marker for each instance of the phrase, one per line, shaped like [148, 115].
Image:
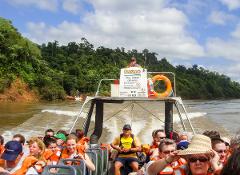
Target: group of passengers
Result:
[18, 158]
[203, 154]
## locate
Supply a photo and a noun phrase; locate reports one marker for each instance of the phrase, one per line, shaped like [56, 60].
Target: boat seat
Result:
[105, 160]
[94, 157]
[78, 164]
[61, 170]
[100, 162]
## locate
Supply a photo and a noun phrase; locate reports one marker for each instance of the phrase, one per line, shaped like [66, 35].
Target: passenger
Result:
[34, 163]
[235, 143]
[52, 153]
[127, 145]
[11, 155]
[212, 134]
[63, 132]
[2, 162]
[183, 141]
[159, 136]
[81, 138]
[61, 139]
[227, 142]
[199, 156]
[20, 138]
[219, 146]
[232, 167]
[70, 152]
[163, 163]
[133, 63]
[49, 132]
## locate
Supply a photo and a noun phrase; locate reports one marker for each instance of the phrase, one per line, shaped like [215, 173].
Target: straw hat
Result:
[200, 144]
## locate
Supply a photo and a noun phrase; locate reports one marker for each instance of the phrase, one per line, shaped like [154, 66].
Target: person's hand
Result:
[214, 157]
[172, 157]
[125, 150]
[80, 156]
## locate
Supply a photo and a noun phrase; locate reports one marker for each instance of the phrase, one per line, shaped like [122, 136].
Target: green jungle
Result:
[54, 71]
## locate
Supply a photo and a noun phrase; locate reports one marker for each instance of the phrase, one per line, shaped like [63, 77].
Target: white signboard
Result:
[133, 82]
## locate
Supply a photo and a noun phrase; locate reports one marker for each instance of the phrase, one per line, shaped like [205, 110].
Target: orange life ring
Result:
[168, 84]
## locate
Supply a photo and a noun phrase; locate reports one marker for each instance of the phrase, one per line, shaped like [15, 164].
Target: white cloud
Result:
[236, 33]
[231, 70]
[231, 4]
[72, 6]
[50, 5]
[226, 49]
[135, 24]
[220, 18]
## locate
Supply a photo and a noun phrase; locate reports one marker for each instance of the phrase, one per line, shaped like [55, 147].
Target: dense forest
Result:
[55, 71]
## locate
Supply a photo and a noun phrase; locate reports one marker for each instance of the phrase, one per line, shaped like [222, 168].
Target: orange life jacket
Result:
[28, 162]
[154, 145]
[178, 167]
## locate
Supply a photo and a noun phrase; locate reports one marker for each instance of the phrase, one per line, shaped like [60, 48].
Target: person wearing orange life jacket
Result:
[71, 152]
[157, 135]
[52, 154]
[127, 145]
[220, 150]
[34, 163]
[163, 164]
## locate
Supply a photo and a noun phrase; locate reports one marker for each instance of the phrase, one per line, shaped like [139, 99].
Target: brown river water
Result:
[32, 119]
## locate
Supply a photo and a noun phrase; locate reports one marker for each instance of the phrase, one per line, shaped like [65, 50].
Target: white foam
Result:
[190, 115]
[60, 112]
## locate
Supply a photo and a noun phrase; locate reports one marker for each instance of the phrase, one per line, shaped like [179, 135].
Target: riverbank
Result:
[19, 92]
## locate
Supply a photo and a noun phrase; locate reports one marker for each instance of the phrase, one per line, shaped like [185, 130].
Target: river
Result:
[31, 119]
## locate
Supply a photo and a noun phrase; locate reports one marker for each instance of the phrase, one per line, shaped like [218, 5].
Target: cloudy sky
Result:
[186, 32]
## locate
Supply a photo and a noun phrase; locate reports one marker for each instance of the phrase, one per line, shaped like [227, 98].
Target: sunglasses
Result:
[200, 159]
[168, 152]
[162, 137]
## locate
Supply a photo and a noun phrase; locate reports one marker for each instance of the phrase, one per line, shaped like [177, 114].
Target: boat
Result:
[121, 93]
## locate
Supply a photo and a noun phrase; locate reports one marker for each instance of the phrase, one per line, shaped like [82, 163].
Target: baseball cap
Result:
[60, 136]
[127, 127]
[12, 150]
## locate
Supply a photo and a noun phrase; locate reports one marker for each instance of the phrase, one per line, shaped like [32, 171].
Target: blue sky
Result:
[186, 32]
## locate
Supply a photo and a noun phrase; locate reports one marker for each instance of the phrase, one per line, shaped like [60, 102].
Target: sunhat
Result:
[200, 144]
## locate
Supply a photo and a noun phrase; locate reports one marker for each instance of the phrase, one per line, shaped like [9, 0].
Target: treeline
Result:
[56, 71]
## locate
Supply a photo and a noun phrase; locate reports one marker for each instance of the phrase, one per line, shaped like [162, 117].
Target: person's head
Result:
[235, 142]
[12, 153]
[127, 130]
[79, 133]
[212, 134]
[166, 146]
[1, 140]
[159, 135]
[183, 136]
[227, 142]
[36, 147]
[233, 164]
[63, 132]
[20, 138]
[71, 143]
[50, 143]
[198, 154]
[219, 146]
[199, 164]
[61, 138]
[133, 59]
[49, 132]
